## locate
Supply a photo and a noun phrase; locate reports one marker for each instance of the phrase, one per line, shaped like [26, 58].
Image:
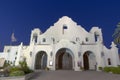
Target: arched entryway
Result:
[41, 60]
[89, 61]
[64, 59]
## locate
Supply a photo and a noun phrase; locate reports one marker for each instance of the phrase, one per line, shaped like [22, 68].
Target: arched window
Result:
[86, 39]
[35, 37]
[44, 40]
[109, 61]
[51, 54]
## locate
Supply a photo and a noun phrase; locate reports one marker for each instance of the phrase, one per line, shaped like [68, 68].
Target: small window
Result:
[35, 37]
[64, 27]
[8, 50]
[51, 54]
[86, 39]
[109, 61]
[96, 36]
[30, 54]
[44, 40]
[53, 39]
[15, 58]
[16, 53]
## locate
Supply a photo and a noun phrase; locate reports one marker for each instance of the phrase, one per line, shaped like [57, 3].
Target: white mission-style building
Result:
[65, 45]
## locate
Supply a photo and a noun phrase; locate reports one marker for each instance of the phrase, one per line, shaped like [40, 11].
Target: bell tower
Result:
[35, 35]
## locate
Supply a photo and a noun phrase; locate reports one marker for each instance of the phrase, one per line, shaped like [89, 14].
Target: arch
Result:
[35, 37]
[89, 61]
[64, 59]
[41, 60]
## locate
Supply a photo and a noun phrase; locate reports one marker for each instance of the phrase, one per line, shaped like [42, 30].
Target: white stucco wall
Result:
[65, 33]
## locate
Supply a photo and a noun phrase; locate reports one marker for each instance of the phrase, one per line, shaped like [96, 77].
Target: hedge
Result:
[115, 70]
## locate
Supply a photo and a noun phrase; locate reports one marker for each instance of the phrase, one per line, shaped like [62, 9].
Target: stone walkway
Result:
[74, 75]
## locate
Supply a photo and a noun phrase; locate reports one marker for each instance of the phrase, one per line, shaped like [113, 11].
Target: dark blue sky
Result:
[21, 16]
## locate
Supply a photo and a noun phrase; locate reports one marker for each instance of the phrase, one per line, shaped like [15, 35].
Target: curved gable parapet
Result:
[96, 29]
[66, 26]
[37, 31]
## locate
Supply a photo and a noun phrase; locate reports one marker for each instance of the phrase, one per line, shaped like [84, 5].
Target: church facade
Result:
[65, 45]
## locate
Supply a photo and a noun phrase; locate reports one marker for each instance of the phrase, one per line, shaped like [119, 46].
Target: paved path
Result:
[74, 75]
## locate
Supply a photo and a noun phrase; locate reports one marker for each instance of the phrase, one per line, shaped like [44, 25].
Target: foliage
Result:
[24, 67]
[23, 64]
[17, 73]
[107, 69]
[100, 68]
[116, 35]
[20, 70]
[26, 70]
[115, 70]
[14, 68]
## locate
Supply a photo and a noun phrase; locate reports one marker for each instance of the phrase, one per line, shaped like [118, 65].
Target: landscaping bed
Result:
[114, 70]
[25, 77]
[11, 72]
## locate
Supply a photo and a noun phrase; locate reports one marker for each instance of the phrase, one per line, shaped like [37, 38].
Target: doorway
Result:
[89, 61]
[41, 60]
[64, 59]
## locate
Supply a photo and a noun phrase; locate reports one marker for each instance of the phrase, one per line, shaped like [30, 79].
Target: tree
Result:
[116, 35]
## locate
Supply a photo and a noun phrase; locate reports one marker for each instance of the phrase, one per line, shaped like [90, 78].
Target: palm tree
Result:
[116, 35]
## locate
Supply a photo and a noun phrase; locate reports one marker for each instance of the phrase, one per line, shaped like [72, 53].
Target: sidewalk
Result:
[74, 75]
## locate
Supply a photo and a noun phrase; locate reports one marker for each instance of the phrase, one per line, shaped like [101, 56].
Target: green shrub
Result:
[115, 70]
[26, 70]
[13, 69]
[17, 73]
[20, 70]
[24, 67]
[100, 68]
[107, 69]
[23, 64]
